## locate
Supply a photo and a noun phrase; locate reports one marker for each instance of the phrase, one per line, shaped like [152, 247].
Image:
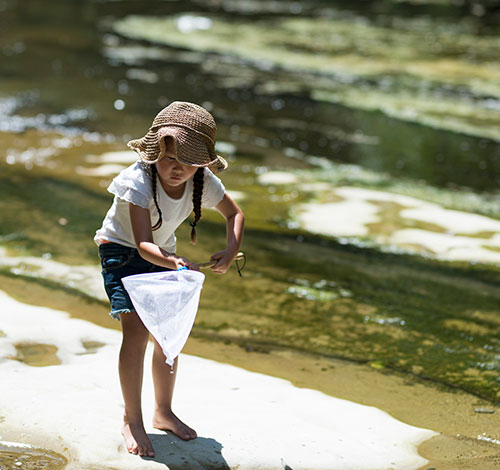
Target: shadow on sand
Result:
[202, 453]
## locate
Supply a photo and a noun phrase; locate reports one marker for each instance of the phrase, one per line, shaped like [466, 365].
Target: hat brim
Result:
[190, 149]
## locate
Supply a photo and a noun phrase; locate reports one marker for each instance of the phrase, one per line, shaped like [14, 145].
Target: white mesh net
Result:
[167, 303]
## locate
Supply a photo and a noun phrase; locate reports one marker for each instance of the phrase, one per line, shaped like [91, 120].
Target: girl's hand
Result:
[180, 262]
[193, 266]
[224, 259]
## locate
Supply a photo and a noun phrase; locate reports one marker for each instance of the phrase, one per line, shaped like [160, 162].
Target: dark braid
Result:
[154, 179]
[197, 193]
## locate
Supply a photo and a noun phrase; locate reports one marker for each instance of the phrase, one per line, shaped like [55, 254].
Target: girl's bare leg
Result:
[164, 381]
[131, 366]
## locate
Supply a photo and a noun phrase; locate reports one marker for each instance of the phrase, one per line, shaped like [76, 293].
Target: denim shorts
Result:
[119, 261]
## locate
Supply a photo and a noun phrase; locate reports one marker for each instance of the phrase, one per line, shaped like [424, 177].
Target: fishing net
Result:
[167, 303]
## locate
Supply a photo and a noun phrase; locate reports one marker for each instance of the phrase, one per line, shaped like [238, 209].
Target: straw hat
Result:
[193, 129]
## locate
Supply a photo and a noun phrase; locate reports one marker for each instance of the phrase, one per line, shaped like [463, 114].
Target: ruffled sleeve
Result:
[133, 185]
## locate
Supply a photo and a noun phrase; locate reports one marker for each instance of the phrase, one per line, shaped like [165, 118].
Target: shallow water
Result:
[382, 110]
[37, 355]
[14, 456]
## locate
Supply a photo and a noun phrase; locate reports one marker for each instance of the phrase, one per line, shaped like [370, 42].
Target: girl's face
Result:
[171, 172]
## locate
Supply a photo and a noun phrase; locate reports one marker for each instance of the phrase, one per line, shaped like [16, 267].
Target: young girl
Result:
[173, 177]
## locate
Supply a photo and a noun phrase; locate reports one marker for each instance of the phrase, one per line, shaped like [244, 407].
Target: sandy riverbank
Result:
[304, 427]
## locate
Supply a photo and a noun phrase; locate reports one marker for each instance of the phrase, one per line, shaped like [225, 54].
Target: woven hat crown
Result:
[187, 115]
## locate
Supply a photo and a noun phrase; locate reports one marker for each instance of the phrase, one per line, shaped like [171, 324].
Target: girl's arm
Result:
[235, 221]
[143, 235]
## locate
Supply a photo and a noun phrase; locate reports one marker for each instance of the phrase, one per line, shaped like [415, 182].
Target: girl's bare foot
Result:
[137, 441]
[167, 421]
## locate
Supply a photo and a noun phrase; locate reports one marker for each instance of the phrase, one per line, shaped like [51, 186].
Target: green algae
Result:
[420, 75]
[492, 248]
[396, 312]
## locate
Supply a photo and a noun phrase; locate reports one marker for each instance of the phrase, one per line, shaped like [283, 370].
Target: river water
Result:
[364, 147]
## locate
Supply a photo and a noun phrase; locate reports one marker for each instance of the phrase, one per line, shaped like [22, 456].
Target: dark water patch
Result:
[37, 354]
[480, 17]
[13, 457]
[409, 150]
[401, 150]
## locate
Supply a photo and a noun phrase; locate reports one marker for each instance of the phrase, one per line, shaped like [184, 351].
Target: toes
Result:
[146, 451]
[149, 452]
[188, 435]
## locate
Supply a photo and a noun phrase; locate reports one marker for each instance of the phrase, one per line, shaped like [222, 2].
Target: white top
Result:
[134, 185]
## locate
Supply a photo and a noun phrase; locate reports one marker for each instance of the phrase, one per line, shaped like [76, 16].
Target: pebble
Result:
[484, 410]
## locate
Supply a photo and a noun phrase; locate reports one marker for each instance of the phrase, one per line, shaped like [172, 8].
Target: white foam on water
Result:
[450, 247]
[362, 194]
[478, 239]
[345, 218]
[16, 444]
[451, 220]
[244, 420]
[125, 157]
[277, 177]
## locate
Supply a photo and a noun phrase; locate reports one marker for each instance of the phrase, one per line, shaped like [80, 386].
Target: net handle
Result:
[209, 264]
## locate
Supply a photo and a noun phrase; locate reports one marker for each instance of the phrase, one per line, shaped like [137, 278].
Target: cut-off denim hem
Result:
[116, 314]
[117, 262]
